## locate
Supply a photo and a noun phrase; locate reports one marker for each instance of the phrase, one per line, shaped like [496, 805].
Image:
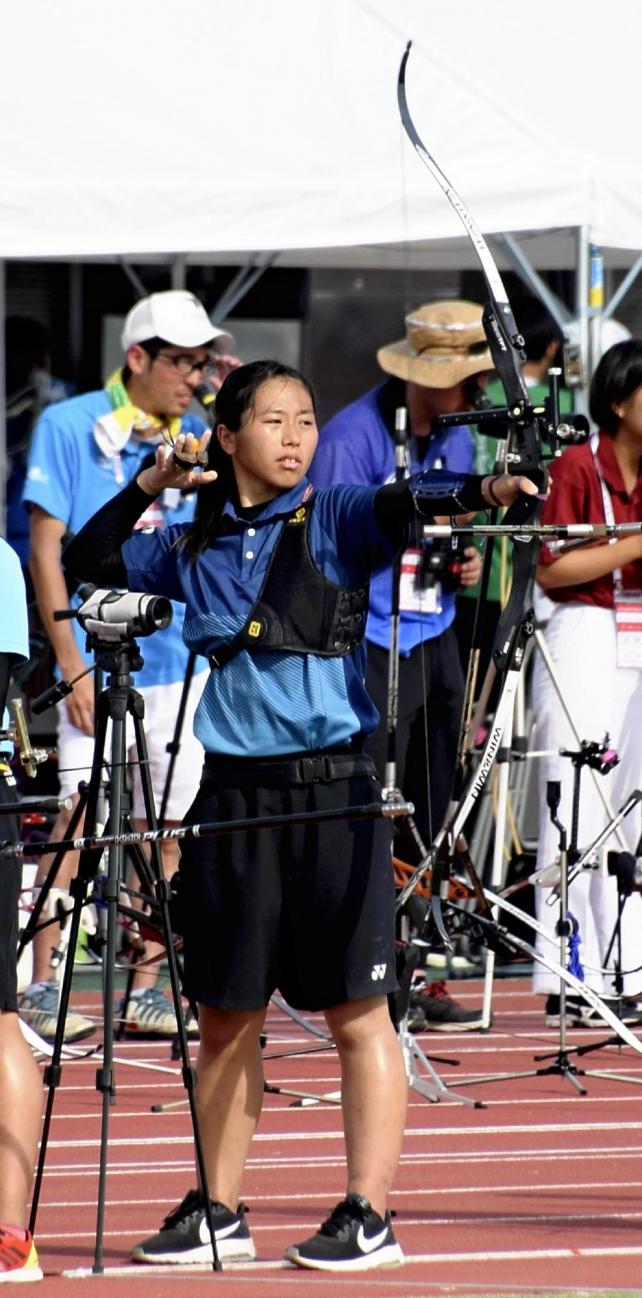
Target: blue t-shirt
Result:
[265, 703]
[70, 478]
[14, 632]
[355, 446]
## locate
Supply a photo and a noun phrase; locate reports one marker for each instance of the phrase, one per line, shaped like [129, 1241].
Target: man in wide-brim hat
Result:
[445, 344]
[437, 368]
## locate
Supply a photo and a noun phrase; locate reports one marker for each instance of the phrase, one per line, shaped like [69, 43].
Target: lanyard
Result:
[607, 505]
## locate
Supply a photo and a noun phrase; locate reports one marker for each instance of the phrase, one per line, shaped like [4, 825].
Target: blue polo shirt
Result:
[70, 478]
[355, 446]
[14, 632]
[266, 703]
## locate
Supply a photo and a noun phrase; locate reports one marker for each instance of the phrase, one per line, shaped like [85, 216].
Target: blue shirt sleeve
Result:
[152, 560]
[53, 466]
[352, 545]
[14, 631]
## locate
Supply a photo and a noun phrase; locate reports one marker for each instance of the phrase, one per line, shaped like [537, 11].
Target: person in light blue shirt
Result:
[14, 630]
[83, 451]
[20, 1085]
[274, 576]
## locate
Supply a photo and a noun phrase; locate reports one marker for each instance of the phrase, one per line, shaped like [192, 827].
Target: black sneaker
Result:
[184, 1235]
[354, 1238]
[431, 1009]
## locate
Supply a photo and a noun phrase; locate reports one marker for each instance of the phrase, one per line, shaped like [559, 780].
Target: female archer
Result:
[274, 576]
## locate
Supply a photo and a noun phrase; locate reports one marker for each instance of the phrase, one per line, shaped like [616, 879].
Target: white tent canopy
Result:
[211, 127]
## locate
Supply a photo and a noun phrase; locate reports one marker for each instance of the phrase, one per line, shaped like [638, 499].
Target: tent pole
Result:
[627, 282]
[134, 279]
[534, 281]
[581, 310]
[179, 271]
[240, 285]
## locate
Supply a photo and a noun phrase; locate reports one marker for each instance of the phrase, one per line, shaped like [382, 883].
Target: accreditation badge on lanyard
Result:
[414, 597]
[628, 627]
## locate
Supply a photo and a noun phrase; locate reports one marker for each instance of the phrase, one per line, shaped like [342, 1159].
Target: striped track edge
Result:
[423, 1258]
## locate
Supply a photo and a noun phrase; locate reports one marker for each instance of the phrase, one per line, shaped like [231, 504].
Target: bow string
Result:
[526, 429]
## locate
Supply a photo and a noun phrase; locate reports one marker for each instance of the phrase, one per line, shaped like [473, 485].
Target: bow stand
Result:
[413, 1055]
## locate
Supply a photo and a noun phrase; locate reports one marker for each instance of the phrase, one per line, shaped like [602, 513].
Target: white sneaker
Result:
[39, 1008]
[149, 1014]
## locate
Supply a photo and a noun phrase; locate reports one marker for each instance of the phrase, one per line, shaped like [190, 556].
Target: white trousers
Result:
[75, 749]
[601, 697]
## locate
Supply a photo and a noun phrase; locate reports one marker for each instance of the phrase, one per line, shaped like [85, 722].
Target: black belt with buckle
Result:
[305, 768]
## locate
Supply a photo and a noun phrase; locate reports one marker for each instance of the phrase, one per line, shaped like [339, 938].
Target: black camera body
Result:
[442, 559]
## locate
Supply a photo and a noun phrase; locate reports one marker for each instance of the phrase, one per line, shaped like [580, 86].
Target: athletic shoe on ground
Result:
[431, 1009]
[39, 1008]
[184, 1236]
[18, 1259]
[458, 963]
[149, 1014]
[436, 960]
[579, 1014]
[354, 1238]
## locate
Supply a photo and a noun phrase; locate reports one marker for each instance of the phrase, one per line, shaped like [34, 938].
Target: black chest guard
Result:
[298, 609]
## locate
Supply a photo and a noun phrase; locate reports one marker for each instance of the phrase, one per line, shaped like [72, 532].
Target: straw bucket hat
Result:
[445, 343]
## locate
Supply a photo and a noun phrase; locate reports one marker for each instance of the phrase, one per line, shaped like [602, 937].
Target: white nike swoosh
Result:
[369, 1245]
[221, 1232]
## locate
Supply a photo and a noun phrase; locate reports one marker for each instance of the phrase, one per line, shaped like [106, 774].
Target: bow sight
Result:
[517, 422]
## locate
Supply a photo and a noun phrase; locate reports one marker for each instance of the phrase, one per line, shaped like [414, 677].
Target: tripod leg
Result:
[87, 867]
[162, 895]
[173, 746]
[145, 877]
[111, 892]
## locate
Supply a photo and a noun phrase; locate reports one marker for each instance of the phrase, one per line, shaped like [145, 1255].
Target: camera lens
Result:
[154, 613]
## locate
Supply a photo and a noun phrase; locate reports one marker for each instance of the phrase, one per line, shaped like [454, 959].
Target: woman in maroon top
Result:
[596, 646]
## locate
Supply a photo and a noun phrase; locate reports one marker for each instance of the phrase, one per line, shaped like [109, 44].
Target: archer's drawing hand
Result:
[180, 466]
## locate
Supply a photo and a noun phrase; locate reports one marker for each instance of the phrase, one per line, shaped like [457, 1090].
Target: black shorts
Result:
[10, 883]
[307, 909]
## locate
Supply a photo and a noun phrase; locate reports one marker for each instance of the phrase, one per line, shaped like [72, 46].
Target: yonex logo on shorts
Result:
[378, 971]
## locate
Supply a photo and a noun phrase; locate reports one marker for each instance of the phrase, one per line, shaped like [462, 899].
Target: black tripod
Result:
[624, 867]
[118, 701]
[562, 1066]
[601, 759]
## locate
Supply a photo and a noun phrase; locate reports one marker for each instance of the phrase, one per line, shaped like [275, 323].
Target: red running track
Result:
[538, 1189]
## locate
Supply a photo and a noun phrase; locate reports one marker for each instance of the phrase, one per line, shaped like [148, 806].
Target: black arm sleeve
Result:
[395, 506]
[95, 553]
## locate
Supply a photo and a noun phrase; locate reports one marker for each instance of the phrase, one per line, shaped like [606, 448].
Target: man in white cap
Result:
[83, 451]
[436, 369]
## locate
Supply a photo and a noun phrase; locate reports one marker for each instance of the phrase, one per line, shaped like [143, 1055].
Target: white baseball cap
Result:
[175, 316]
